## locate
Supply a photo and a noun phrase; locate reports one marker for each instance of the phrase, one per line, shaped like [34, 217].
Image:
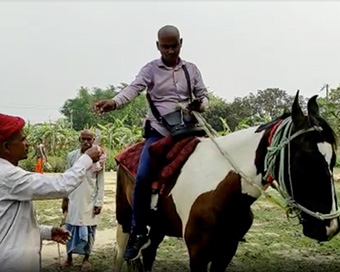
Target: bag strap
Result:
[187, 76]
[154, 110]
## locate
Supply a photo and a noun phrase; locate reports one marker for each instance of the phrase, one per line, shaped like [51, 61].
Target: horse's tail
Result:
[124, 189]
[119, 249]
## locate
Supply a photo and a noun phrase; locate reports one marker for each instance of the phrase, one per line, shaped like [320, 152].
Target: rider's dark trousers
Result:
[142, 190]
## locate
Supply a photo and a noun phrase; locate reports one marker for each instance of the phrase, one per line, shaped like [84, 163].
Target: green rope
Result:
[281, 138]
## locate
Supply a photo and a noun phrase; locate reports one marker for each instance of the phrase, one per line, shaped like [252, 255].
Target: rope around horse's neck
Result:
[212, 134]
[281, 138]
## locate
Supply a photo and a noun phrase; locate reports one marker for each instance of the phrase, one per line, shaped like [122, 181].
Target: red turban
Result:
[9, 126]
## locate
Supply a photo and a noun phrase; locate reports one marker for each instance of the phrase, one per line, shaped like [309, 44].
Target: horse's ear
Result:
[297, 115]
[312, 106]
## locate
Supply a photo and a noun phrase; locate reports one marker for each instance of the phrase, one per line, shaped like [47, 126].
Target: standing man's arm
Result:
[22, 185]
[99, 200]
[45, 232]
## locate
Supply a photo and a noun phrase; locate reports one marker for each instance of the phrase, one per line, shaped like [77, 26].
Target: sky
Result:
[48, 50]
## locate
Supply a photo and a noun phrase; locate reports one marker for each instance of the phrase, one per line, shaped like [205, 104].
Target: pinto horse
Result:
[210, 203]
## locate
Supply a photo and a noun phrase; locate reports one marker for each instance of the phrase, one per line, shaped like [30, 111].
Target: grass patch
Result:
[272, 244]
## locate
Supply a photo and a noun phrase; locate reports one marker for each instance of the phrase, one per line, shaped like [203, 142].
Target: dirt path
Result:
[104, 238]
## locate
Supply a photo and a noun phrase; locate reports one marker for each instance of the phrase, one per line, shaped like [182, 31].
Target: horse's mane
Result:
[328, 133]
[312, 121]
[272, 123]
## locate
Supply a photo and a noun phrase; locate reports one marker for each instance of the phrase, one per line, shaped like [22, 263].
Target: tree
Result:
[57, 137]
[252, 109]
[80, 113]
[330, 109]
[218, 110]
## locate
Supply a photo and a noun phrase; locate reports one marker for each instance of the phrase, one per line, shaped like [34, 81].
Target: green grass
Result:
[272, 244]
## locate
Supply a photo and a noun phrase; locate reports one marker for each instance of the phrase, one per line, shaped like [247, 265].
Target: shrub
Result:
[28, 164]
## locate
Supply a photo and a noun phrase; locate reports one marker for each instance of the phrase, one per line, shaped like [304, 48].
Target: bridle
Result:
[281, 139]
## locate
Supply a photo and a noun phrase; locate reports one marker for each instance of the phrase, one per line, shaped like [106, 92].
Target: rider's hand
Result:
[195, 105]
[94, 152]
[104, 106]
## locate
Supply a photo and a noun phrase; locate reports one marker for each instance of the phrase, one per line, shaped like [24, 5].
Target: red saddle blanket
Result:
[167, 156]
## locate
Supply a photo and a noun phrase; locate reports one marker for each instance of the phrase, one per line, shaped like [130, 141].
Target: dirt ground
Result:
[272, 244]
[52, 254]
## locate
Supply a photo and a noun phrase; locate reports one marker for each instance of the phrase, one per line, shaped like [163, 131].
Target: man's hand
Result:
[94, 152]
[195, 105]
[97, 210]
[104, 106]
[60, 235]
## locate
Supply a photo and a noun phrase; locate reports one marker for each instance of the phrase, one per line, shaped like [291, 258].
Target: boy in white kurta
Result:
[84, 205]
[20, 234]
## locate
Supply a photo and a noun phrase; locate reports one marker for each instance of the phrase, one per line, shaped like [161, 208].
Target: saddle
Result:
[167, 157]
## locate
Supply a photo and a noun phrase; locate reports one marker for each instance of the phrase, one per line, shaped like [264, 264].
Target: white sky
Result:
[49, 50]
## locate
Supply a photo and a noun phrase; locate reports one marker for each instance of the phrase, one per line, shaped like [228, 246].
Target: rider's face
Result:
[169, 47]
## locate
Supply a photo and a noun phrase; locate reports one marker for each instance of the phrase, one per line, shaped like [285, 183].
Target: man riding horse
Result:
[168, 81]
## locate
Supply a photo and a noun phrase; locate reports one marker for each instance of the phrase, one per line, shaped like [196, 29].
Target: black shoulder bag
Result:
[179, 123]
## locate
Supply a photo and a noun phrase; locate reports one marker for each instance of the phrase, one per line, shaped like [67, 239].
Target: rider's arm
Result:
[141, 82]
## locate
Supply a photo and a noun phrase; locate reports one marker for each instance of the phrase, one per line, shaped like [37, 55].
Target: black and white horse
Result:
[210, 203]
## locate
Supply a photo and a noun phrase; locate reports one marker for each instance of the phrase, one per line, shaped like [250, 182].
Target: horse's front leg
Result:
[227, 240]
[198, 258]
[197, 237]
[156, 236]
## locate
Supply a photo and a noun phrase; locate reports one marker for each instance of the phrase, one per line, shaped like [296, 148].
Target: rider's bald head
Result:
[168, 30]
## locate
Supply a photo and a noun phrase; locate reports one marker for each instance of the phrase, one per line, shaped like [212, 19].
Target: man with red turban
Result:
[20, 235]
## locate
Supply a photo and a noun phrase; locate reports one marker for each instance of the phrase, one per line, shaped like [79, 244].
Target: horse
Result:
[210, 203]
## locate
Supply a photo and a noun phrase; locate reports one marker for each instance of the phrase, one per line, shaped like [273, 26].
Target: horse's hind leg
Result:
[121, 241]
[156, 236]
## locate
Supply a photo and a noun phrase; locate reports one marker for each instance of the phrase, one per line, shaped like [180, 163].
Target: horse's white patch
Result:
[333, 227]
[250, 188]
[326, 150]
[207, 167]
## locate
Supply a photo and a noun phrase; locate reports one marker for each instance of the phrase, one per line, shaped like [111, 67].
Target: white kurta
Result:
[20, 235]
[89, 193]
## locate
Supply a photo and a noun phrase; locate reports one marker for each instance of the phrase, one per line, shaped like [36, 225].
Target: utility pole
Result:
[326, 86]
[71, 111]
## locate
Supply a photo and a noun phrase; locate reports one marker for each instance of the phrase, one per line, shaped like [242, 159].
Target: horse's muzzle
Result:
[321, 230]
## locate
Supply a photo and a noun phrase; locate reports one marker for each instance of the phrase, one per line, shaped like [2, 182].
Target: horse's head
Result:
[301, 157]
